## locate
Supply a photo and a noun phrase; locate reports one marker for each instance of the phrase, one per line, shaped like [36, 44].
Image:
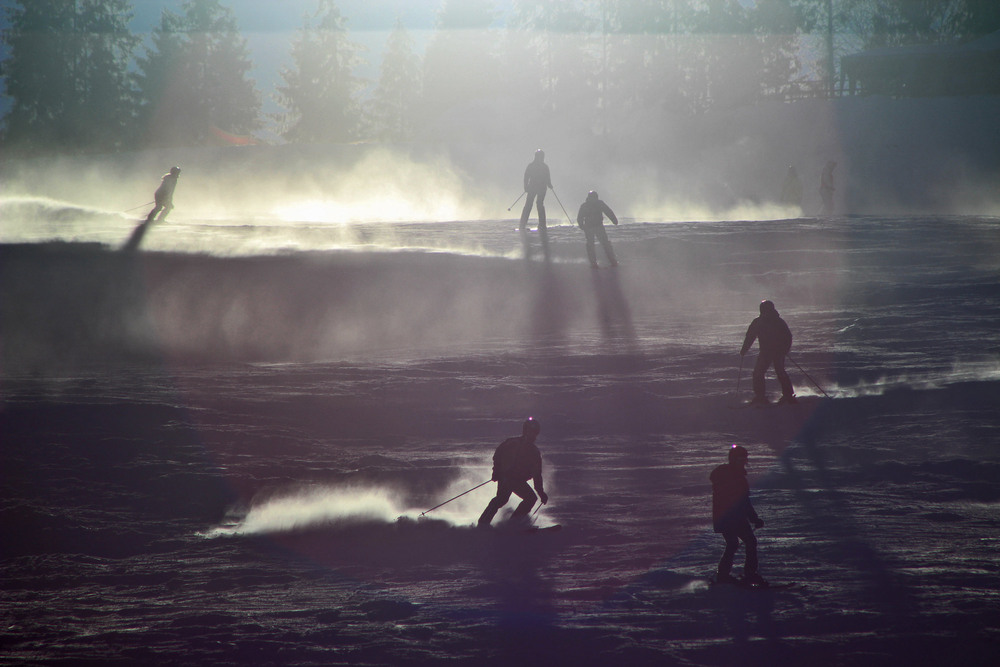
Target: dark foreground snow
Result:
[224, 461]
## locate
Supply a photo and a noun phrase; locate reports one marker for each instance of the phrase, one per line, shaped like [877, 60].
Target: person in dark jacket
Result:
[537, 182]
[732, 514]
[774, 341]
[591, 220]
[516, 461]
[164, 195]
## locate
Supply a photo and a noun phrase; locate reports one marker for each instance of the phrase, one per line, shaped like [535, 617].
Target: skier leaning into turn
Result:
[164, 195]
[516, 461]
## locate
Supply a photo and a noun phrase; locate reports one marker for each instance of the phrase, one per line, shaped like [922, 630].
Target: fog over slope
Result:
[894, 156]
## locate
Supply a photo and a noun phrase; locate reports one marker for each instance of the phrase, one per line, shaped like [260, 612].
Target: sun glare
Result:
[390, 208]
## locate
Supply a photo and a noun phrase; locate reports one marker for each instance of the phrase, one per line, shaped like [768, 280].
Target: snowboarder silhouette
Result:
[164, 195]
[516, 461]
[732, 514]
[591, 220]
[774, 341]
[537, 182]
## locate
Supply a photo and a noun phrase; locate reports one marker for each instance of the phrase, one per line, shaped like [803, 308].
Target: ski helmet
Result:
[531, 427]
[592, 195]
[175, 170]
[738, 453]
[767, 307]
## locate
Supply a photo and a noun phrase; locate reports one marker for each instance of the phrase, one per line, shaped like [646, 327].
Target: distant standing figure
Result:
[537, 182]
[826, 188]
[164, 195]
[791, 191]
[591, 220]
[732, 514]
[774, 341]
[516, 461]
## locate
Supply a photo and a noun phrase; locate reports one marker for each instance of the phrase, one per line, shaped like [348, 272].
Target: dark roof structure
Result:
[972, 68]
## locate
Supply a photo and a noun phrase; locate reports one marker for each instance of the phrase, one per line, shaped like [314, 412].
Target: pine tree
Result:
[395, 98]
[67, 75]
[550, 60]
[640, 61]
[461, 67]
[721, 53]
[778, 26]
[195, 77]
[320, 90]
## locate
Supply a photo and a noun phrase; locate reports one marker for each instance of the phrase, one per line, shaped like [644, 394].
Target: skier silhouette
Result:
[774, 341]
[537, 182]
[591, 220]
[164, 195]
[516, 461]
[732, 514]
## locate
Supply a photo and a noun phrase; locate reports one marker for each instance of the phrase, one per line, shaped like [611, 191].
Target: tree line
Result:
[78, 79]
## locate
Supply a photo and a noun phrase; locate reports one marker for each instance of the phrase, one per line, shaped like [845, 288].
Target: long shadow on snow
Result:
[831, 510]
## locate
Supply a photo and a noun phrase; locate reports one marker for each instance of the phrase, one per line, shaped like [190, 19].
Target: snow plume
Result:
[30, 219]
[383, 185]
[315, 506]
[963, 371]
[330, 183]
[894, 156]
[324, 505]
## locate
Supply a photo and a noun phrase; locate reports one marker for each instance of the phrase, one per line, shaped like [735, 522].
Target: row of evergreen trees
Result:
[79, 80]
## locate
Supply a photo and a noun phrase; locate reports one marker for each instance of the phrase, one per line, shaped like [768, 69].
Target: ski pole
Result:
[516, 200]
[458, 496]
[139, 206]
[809, 377]
[570, 220]
[531, 519]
